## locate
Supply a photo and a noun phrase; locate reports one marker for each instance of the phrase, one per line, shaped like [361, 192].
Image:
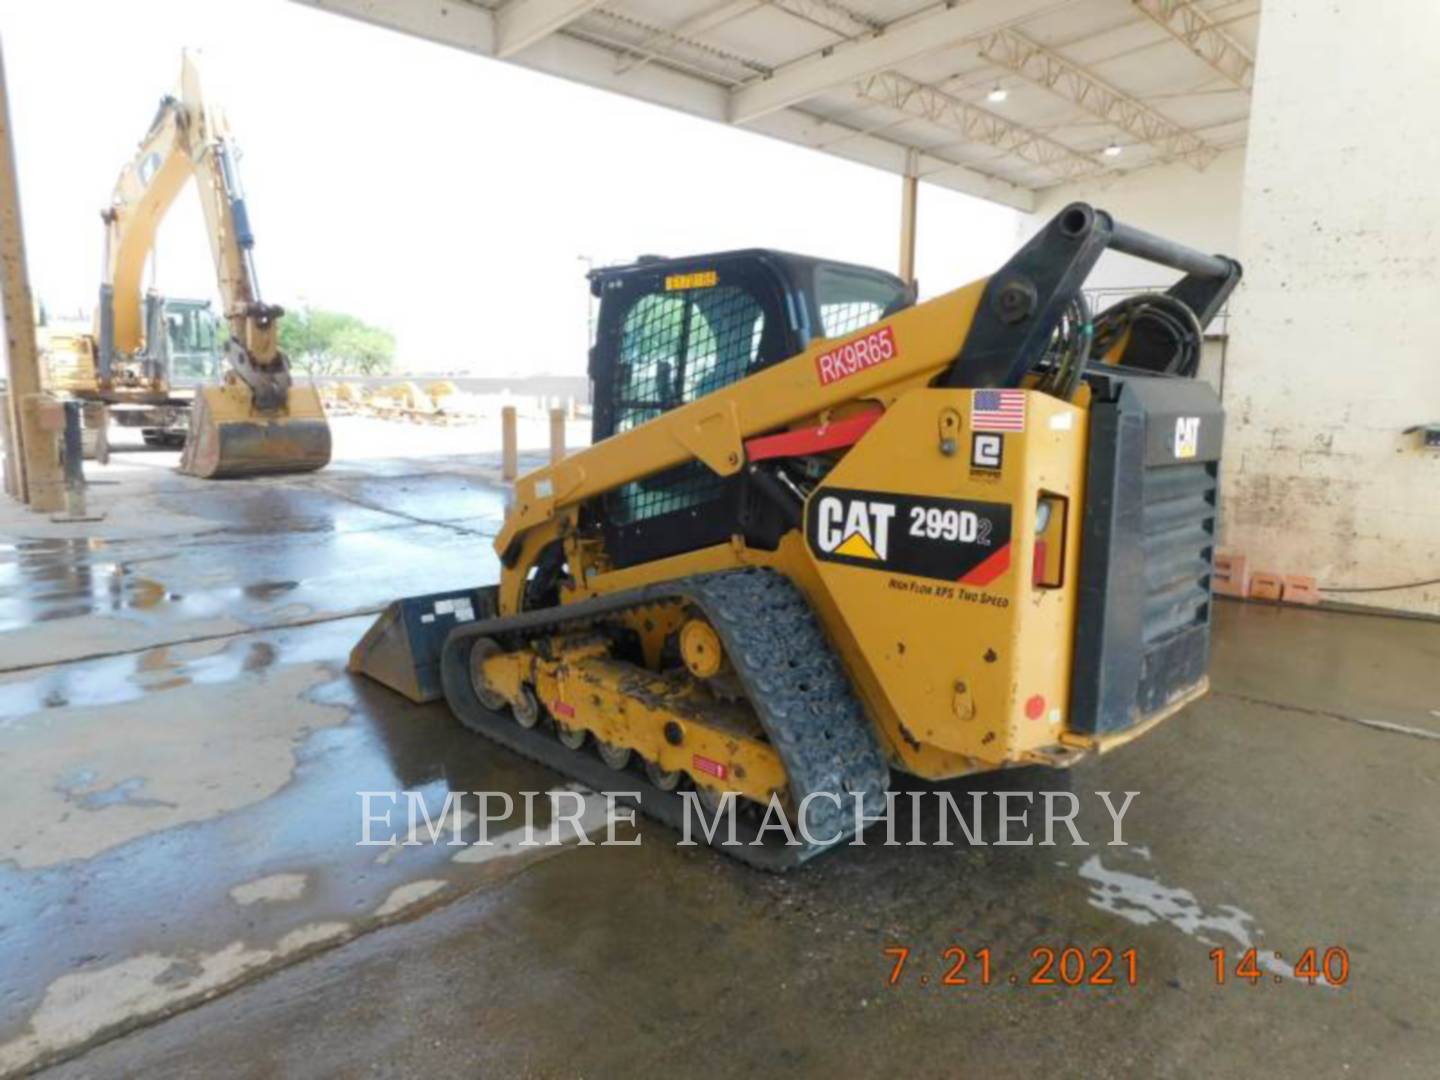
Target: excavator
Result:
[826, 534]
[256, 421]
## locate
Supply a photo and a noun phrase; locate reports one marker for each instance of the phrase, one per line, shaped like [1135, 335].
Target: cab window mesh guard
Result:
[677, 347]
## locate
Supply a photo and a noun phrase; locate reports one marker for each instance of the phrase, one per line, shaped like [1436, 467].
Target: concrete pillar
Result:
[34, 428]
[509, 444]
[909, 206]
[1335, 329]
[557, 435]
[97, 420]
[12, 475]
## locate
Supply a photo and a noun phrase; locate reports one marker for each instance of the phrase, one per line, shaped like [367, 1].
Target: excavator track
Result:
[790, 675]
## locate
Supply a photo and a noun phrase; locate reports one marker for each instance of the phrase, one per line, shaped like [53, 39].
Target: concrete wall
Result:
[1335, 344]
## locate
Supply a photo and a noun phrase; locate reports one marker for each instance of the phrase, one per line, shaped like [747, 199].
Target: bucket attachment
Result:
[401, 649]
[230, 437]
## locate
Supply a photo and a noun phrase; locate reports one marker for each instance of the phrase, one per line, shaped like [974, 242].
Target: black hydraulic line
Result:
[790, 506]
[1163, 311]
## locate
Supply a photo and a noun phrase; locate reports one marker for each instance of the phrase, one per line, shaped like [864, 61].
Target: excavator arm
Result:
[257, 422]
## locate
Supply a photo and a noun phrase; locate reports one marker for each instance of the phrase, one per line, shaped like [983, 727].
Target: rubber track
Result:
[791, 677]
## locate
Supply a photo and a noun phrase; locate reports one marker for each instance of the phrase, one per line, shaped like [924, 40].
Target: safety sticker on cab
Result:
[856, 355]
[946, 539]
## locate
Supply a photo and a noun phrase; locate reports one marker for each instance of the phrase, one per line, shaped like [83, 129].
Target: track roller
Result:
[665, 780]
[572, 738]
[613, 754]
[527, 708]
[488, 696]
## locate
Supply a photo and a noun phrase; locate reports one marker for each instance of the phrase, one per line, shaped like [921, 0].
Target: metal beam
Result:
[875, 150]
[456, 23]
[521, 23]
[655, 46]
[977, 125]
[1014, 51]
[834, 17]
[713, 63]
[899, 42]
[1195, 30]
[589, 64]
[840, 20]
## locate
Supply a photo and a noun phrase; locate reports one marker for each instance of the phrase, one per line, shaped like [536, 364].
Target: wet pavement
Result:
[181, 892]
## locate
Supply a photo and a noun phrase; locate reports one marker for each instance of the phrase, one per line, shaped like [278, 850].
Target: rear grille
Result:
[1178, 546]
[1142, 636]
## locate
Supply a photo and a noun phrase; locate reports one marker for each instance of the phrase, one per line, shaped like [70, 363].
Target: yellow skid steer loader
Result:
[825, 533]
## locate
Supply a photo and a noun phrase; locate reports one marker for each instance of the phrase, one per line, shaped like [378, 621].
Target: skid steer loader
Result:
[825, 533]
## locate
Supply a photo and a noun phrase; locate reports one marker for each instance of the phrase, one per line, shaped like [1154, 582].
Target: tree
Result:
[321, 342]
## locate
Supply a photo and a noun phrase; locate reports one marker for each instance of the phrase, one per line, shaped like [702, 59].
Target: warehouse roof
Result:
[997, 98]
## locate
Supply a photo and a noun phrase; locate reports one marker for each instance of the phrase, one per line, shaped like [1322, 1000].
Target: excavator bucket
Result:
[229, 437]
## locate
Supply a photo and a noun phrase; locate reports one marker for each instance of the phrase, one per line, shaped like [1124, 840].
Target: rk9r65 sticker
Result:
[856, 355]
[946, 539]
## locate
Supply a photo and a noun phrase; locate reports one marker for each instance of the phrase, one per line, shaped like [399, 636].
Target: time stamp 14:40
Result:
[1071, 965]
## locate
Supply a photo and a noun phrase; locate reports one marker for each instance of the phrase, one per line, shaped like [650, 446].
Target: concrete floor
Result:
[181, 892]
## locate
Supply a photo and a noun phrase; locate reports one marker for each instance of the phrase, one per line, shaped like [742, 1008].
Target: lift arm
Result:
[189, 137]
[991, 333]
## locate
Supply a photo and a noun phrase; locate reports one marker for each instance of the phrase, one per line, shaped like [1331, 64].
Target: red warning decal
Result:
[856, 355]
[706, 765]
[560, 708]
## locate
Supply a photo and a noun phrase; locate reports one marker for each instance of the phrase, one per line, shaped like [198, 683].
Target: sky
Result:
[452, 199]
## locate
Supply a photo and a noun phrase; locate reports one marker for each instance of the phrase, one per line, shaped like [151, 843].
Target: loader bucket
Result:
[229, 437]
[401, 649]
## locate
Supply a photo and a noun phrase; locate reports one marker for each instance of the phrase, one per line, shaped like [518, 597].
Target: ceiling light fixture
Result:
[997, 94]
[1113, 150]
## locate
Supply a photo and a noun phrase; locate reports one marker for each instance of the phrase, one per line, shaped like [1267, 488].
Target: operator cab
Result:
[671, 331]
[193, 341]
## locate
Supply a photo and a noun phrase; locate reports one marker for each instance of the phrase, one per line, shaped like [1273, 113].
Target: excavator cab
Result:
[193, 341]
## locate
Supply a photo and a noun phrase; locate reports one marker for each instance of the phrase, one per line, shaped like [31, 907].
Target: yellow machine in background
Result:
[184, 344]
[257, 421]
[825, 533]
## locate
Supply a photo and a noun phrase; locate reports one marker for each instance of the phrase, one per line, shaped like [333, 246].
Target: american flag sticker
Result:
[997, 410]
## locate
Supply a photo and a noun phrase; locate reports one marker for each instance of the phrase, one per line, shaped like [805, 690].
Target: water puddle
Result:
[1145, 902]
